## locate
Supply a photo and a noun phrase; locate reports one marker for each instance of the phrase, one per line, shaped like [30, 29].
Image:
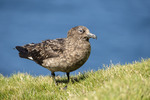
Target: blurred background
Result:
[122, 28]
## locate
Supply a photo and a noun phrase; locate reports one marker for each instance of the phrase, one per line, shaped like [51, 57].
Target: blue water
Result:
[122, 28]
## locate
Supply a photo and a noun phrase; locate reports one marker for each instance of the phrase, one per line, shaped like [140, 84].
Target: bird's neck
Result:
[78, 43]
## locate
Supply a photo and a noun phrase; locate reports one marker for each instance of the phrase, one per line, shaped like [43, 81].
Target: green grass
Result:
[116, 82]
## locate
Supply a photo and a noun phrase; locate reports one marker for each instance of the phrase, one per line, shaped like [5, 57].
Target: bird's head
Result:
[80, 32]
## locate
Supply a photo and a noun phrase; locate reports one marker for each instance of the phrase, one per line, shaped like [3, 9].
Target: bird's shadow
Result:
[72, 79]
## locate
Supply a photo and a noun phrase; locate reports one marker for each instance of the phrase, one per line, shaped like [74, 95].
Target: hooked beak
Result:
[90, 35]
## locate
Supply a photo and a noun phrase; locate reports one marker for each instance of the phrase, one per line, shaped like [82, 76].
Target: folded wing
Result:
[40, 51]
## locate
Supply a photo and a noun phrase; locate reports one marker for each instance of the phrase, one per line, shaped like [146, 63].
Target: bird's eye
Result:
[81, 31]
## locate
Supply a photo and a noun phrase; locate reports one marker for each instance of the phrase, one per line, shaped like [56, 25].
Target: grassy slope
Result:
[128, 82]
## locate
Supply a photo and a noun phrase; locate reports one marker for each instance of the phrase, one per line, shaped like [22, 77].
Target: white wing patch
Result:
[30, 58]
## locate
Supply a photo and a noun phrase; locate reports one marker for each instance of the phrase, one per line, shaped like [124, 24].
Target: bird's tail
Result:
[23, 52]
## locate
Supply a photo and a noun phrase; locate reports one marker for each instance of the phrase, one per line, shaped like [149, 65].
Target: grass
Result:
[116, 82]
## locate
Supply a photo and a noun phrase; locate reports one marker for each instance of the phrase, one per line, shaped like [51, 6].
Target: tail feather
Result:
[23, 52]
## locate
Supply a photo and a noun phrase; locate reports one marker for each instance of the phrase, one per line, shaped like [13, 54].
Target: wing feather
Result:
[46, 49]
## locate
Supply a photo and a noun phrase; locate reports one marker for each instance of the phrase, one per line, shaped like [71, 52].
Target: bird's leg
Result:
[68, 76]
[53, 75]
[65, 88]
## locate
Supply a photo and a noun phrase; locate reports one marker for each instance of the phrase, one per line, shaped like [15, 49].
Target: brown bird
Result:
[64, 54]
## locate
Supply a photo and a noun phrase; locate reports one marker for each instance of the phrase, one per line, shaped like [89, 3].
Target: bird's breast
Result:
[77, 55]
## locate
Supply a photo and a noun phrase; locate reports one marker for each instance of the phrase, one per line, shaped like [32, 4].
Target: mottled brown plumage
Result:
[65, 54]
